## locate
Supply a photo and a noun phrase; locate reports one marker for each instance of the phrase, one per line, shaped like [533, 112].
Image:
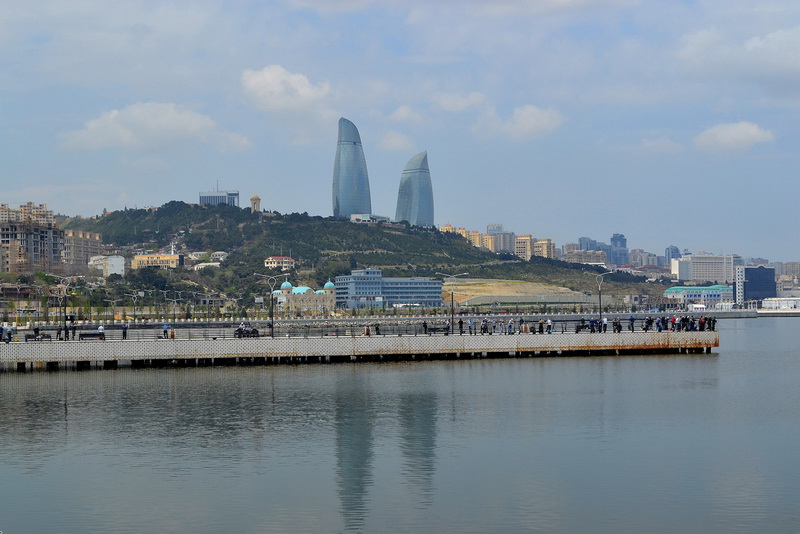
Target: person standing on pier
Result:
[124, 329]
[165, 330]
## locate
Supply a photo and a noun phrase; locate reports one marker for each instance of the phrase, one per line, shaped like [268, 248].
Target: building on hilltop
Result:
[350, 180]
[284, 263]
[415, 196]
[523, 246]
[215, 198]
[30, 240]
[367, 288]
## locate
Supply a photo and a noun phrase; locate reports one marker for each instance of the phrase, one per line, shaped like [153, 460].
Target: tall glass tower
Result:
[415, 198]
[350, 180]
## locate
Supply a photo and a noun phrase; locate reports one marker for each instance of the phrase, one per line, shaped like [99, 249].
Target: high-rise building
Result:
[619, 250]
[350, 180]
[670, 253]
[706, 267]
[415, 197]
[754, 283]
[523, 246]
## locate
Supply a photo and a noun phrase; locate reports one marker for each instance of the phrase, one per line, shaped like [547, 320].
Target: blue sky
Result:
[670, 122]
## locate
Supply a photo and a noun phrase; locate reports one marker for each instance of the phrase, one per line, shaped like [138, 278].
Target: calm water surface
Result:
[697, 443]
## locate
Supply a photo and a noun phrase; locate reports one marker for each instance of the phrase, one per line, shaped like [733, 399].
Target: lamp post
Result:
[599, 279]
[451, 278]
[271, 280]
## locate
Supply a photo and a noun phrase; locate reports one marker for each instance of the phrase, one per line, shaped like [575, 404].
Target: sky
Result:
[674, 122]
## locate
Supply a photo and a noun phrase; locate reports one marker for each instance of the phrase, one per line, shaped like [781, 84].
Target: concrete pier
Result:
[333, 349]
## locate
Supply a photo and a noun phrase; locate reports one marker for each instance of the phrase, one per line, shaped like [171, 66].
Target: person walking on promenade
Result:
[424, 327]
[165, 330]
[460, 327]
[124, 329]
[73, 330]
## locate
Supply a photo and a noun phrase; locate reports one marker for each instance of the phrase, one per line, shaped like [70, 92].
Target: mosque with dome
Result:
[304, 301]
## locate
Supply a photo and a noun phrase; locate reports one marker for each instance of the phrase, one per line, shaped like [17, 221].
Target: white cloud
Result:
[526, 122]
[405, 114]
[770, 61]
[396, 141]
[457, 102]
[274, 88]
[732, 136]
[151, 126]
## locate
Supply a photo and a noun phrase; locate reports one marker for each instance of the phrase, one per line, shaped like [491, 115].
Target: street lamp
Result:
[452, 298]
[271, 280]
[599, 279]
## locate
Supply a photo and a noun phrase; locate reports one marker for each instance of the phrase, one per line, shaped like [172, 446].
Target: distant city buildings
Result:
[415, 195]
[215, 198]
[350, 180]
[367, 288]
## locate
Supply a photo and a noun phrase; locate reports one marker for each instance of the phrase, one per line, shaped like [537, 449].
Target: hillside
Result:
[323, 248]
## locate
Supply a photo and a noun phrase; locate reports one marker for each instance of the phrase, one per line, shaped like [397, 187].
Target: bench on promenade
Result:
[40, 337]
[92, 335]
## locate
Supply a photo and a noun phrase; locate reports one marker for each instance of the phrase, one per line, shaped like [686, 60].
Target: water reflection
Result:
[355, 419]
[680, 443]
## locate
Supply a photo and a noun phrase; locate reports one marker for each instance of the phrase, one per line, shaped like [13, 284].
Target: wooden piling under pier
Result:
[331, 349]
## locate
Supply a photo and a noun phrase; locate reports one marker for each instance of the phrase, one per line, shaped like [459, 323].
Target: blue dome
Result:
[286, 285]
[329, 285]
[319, 292]
[300, 290]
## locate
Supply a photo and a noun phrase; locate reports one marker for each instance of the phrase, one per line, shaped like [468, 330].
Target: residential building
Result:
[671, 253]
[415, 196]
[754, 283]
[368, 288]
[284, 263]
[161, 261]
[523, 246]
[350, 180]
[215, 198]
[503, 242]
[79, 248]
[544, 248]
[30, 240]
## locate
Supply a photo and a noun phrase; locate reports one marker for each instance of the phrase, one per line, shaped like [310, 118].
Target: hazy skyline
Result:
[668, 121]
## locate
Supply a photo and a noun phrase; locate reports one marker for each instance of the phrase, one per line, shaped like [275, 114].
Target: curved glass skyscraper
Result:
[350, 180]
[415, 198]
